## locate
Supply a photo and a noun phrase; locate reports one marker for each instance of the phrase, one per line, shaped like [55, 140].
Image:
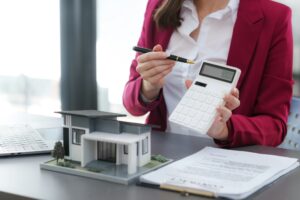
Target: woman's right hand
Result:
[153, 67]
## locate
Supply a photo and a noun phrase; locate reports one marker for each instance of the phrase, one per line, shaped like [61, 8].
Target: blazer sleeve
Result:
[131, 95]
[267, 126]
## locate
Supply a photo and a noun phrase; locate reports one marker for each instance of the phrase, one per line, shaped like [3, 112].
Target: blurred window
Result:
[30, 56]
[119, 28]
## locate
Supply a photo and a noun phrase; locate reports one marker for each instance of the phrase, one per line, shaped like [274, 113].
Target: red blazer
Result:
[262, 47]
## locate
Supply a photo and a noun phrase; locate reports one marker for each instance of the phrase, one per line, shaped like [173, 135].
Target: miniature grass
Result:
[155, 161]
[152, 163]
[73, 165]
[159, 158]
[66, 164]
[95, 170]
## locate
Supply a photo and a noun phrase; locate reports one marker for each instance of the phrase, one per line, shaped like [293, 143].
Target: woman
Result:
[253, 35]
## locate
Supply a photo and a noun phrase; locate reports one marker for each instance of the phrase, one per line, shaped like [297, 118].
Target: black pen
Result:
[171, 57]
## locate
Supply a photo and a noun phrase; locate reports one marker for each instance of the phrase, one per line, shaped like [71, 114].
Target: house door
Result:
[107, 151]
[66, 132]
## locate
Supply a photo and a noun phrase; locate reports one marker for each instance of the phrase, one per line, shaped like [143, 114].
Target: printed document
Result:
[226, 173]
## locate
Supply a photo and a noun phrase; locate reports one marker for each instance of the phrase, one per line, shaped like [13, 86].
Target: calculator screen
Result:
[217, 72]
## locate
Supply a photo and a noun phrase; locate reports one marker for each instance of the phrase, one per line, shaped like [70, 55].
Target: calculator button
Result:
[206, 117]
[210, 109]
[198, 105]
[186, 120]
[216, 102]
[208, 99]
[204, 108]
[180, 117]
[190, 112]
[184, 111]
[179, 108]
[184, 101]
[199, 116]
[201, 98]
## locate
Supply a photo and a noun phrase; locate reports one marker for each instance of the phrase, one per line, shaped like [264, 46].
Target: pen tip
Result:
[190, 62]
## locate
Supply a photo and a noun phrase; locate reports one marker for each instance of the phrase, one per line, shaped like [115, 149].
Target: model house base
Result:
[97, 145]
[105, 171]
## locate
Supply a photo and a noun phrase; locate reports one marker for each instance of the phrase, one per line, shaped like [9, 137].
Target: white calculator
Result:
[197, 108]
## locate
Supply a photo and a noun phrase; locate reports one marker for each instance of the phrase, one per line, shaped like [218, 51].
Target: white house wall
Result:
[90, 151]
[124, 157]
[119, 150]
[141, 159]
[144, 159]
[75, 150]
[139, 153]
[132, 158]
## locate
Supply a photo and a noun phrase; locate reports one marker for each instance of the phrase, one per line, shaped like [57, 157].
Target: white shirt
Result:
[212, 44]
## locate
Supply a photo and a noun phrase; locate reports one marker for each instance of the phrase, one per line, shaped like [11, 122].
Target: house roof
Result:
[139, 124]
[91, 113]
[125, 138]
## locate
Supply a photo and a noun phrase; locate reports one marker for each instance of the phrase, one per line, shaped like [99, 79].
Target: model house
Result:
[90, 135]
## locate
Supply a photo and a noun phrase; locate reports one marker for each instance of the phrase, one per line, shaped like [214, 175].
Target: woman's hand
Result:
[153, 67]
[219, 129]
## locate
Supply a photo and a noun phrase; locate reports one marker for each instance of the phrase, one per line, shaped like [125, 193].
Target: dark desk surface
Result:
[22, 176]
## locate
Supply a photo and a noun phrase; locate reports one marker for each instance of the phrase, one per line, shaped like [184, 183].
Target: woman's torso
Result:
[212, 44]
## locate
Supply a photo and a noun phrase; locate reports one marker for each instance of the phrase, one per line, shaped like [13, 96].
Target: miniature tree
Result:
[58, 151]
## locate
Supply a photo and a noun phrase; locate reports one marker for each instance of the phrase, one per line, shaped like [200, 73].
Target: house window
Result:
[145, 146]
[76, 135]
[125, 150]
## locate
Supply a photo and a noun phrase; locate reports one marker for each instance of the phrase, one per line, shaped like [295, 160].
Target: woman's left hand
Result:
[219, 129]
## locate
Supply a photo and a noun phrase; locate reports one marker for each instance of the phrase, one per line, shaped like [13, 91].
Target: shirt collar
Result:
[231, 9]
[233, 6]
[189, 6]
[189, 16]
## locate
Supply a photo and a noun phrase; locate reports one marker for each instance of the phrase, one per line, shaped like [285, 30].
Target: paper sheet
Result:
[234, 174]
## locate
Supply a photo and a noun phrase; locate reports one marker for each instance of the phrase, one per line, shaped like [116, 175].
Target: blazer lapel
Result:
[245, 36]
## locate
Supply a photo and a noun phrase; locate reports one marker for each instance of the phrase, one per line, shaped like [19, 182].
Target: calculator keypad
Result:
[197, 109]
